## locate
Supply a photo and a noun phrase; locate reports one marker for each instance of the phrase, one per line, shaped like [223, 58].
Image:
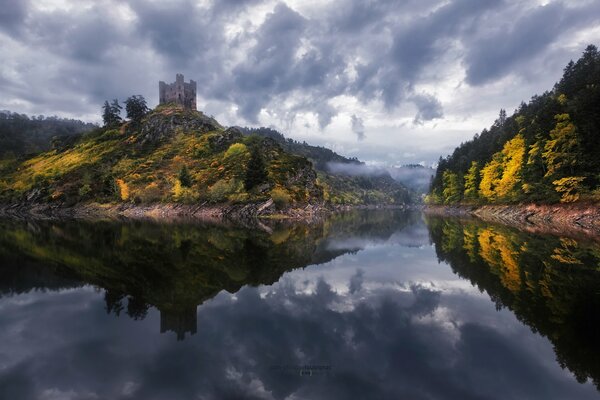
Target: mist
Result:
[414, 177]
[355, 169]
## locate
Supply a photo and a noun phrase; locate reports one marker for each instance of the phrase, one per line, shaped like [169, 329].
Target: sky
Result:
[390, 82]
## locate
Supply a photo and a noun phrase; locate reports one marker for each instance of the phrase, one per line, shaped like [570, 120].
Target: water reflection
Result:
[552, 284]
[175, 267]
[355, 307]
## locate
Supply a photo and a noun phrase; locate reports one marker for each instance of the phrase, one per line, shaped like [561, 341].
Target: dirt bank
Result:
[557, 219]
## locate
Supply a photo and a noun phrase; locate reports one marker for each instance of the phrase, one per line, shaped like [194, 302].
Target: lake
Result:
[364, 305]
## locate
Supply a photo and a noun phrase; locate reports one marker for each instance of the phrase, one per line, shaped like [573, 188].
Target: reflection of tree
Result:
[550, 284]
[175, 267]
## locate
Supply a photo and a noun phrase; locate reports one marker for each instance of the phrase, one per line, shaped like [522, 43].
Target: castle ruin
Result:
[178, 92]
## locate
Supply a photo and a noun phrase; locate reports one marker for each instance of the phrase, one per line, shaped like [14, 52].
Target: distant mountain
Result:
[22, 134]
[546, 152]
[414, 176]
[175, 155]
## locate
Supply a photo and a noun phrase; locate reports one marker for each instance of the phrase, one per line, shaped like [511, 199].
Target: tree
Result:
[136, 108]
[453, 190]
[184, 177]
[472, 179]
[501, 118]
[563, 151]
[513, 155]
[111, 114]
[491, 174]
[255, 170]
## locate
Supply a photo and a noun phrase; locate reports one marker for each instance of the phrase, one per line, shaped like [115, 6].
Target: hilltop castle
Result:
[178, 92]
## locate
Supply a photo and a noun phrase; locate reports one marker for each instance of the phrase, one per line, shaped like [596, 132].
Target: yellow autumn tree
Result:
[562, 151]
[491, 174]
[513, 154]
[123, 189]
[501, 177]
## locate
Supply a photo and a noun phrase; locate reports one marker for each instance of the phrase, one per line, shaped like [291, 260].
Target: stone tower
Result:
[178, 92]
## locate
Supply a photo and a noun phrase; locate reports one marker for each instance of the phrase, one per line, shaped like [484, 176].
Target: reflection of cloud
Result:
[379, 348]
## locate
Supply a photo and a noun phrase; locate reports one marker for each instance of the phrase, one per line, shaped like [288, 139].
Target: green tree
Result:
[136, 108]
[184, 177]
[111, 114]
[472, 179]
[452, 187]
[255, 170]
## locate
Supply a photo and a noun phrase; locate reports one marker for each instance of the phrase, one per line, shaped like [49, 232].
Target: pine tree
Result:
[184, 177]
[255, 171]
[111, 114]
[136, 108]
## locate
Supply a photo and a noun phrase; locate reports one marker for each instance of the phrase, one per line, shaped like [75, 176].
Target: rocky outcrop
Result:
[158, 126]
[225, 139]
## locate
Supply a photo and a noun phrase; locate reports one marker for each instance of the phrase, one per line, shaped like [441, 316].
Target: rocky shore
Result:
[557, 219]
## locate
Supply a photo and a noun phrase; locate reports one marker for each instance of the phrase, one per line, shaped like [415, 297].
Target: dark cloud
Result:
[493, 55]
[248, 56]
[12, 15]
[429, 108]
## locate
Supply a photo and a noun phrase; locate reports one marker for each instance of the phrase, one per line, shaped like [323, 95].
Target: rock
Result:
[158, 126]
[225, 139]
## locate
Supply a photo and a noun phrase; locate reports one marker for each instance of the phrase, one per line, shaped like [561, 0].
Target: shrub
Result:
[224, 188]
[281, 197]
[123, 189]
[235, 150]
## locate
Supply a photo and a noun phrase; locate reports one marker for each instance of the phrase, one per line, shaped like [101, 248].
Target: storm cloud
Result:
[402, 66]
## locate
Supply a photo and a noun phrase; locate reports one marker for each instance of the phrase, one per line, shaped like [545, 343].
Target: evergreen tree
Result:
[184, 177]
[472, 179]
[453, 189]
[136, 108]
[255, 171]
[111, 114]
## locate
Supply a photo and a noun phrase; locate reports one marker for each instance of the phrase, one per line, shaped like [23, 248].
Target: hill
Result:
[546, 152]
[347, 180]
[21, 134]
[175, 155]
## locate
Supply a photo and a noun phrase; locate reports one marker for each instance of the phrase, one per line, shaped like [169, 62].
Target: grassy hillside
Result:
[174, 155]
[546, 152]
[177, 155]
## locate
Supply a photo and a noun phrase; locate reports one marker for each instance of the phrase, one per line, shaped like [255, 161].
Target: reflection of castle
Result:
[180, 321]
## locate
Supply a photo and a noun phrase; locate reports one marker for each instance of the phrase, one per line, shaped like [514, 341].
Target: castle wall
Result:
[178, 92]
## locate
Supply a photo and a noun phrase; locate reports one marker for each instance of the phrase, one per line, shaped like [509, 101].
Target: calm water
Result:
[366, 305]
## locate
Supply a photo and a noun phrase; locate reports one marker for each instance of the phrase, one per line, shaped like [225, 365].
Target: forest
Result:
[546, 152]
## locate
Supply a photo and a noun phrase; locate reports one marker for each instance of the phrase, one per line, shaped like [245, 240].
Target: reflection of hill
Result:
[174, 267]
[551, 284]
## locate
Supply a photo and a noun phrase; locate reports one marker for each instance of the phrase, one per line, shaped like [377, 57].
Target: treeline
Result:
[23, 134]
[547, 151]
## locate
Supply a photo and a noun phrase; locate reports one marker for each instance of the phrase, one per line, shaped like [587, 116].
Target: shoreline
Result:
[240, 213]
[556, 219]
